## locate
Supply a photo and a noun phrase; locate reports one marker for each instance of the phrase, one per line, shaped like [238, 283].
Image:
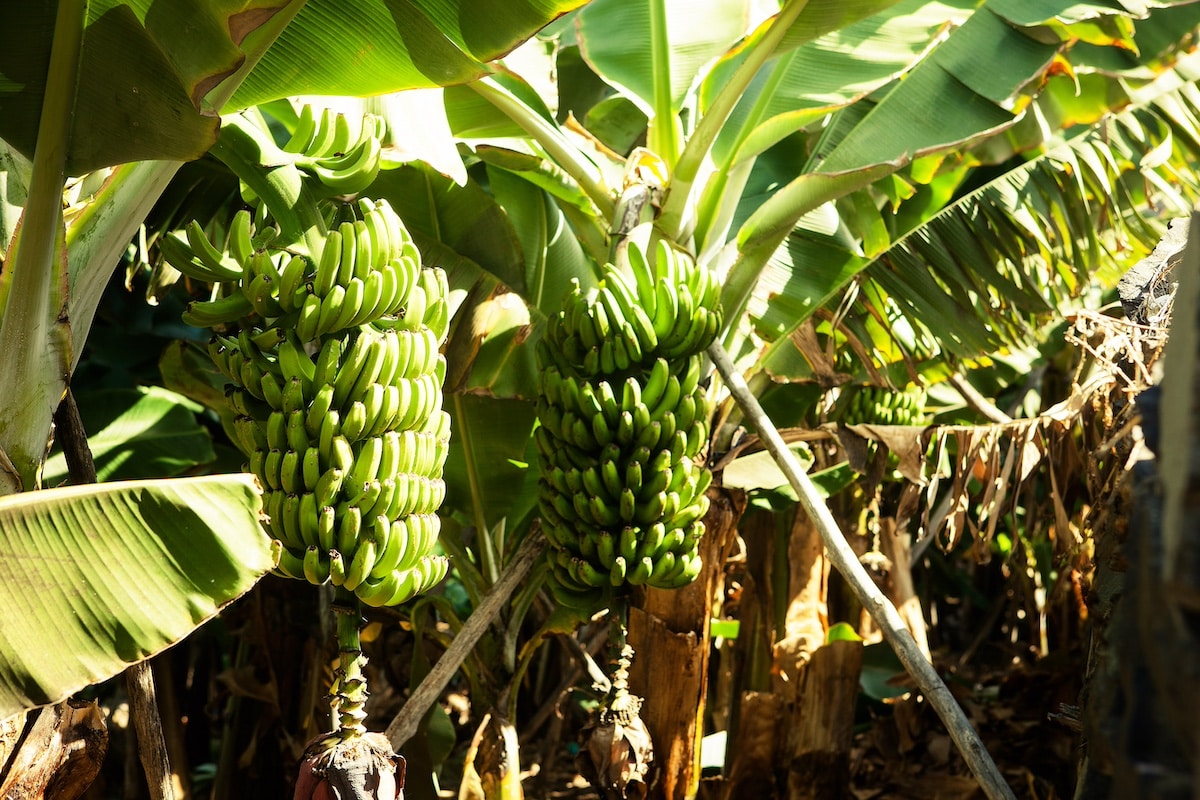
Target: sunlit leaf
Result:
[614, 37]
[974, 78]
[379, 46]
[759, 470]
[841, 632]
[146, 69]
[117, 572]
[989, 270]
[808, 82]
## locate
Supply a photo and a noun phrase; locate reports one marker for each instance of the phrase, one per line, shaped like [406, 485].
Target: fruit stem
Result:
[620, 706]
[620, 653]
[349, 694]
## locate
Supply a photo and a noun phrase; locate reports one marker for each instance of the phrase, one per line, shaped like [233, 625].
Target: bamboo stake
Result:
[880, 608]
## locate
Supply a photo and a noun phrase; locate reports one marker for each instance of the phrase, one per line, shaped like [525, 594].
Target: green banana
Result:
[220, 311]
[337, 401]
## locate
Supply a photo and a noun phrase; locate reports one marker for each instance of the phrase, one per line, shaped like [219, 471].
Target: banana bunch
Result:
[623, 419]
[329, 150]
[670, 310]
[363, 274]
[880, 405]
[336, 379]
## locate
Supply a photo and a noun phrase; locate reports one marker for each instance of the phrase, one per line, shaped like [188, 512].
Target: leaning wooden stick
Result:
[409, 718]
[879, 607]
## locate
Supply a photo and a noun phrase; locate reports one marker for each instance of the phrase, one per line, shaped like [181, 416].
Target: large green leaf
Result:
[992, 268]
[806, 83]
[974, 77]
[979, 78]
[378, 46]
[148, 70]
[453, 225]
[486, 466]
[553, 255]
[143, 72]
[491, 350]
[94, 578]
[615, 38]
[137, 433]
[825, 16]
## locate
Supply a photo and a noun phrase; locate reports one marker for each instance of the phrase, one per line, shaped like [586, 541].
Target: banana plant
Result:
[730, 120]
[828, 162]
[100, 104]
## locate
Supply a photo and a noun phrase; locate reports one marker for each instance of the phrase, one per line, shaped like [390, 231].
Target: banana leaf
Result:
[992, 268]
[98, 577]
[615, 38]
[995, 104]
[152, 75]
[147, 432]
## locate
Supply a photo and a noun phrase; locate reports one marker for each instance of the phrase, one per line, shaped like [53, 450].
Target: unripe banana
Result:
[287, 562]
[617, 474]
[341, 416]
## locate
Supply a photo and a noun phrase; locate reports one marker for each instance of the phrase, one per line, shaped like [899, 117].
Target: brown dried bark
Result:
[669, 634]
[60, 756]
[822, 723]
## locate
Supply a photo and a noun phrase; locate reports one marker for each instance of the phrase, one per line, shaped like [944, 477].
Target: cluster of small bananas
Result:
[337, 375]
[623, 418]
[672, 311]
[328, 149]
[359, 276]
[879, 405]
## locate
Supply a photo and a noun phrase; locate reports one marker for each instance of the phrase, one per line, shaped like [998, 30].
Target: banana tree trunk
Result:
[61, 750]
[670, 637]
[1141, 707]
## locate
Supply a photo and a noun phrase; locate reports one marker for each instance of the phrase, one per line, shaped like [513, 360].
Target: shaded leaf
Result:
[883, 676]
[486, 467]
[142, 78]
[463, 219]
[188, 370]
[148, 432]
[491, 349]
[553, 255]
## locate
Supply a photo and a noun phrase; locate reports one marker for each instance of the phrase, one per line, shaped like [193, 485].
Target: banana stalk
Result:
[331, 343]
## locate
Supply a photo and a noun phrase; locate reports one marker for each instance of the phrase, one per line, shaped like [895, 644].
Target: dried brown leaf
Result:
[907, 442]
